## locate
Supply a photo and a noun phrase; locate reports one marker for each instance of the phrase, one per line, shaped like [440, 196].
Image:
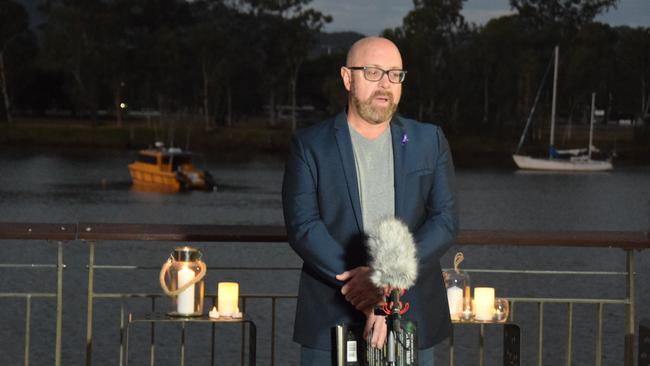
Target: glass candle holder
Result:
[501, 310]
[458, 285]
[468, 308]
[181, 277]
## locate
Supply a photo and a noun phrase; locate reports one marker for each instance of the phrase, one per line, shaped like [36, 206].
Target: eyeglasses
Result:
[372, 73]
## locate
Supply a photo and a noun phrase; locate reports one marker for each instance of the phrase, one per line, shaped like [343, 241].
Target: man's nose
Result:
[384, 82]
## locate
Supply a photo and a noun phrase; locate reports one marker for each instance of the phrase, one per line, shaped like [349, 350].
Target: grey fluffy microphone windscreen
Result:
[392, 253]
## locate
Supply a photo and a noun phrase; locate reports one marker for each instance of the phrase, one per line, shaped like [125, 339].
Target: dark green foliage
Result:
[225, 61]
[16, 52]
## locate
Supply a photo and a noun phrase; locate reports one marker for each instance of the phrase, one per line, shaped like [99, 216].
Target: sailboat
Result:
[561, 160]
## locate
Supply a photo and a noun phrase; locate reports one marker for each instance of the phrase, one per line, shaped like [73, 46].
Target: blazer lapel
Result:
[344, 143]
[400, 140]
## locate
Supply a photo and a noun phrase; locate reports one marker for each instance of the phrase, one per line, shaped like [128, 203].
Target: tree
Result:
[162, 70]
[566, 23]
[428, 37]
[588, 66]
[288, 32]
[14, 22]
[302, 30]
[71, 43]
[633, 55]
[500, 45]
[216, 43]
[568, 14]
[209, 41]
[114, 44]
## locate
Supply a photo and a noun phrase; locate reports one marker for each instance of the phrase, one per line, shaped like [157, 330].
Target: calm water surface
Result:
[94, 186]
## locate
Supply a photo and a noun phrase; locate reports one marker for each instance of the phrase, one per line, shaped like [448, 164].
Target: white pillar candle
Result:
[185, 305]
[455, 298]
[484, 303]
[227, 298]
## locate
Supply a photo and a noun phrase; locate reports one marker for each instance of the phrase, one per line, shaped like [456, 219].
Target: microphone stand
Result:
[393, 310]
[393, 324]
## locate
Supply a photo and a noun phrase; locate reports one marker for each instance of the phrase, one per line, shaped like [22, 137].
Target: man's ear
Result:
[346, 75]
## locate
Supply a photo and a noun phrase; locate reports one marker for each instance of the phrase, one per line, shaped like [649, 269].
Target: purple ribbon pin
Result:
[405, 139]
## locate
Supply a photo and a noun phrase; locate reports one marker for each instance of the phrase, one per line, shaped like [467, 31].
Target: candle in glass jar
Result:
[455, 298]
[214, 314]
[484, 303]
[227, 298]
[467, 304]
[466, 314]
[185, 304]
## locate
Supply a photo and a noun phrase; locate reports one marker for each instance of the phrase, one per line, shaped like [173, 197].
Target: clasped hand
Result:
[364, 296]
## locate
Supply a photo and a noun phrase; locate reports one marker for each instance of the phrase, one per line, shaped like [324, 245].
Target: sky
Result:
[370, 17]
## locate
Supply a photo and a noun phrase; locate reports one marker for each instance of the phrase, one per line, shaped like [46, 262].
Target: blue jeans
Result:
[317, 357]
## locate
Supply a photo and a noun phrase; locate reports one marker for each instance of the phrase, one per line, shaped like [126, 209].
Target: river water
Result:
[68, 186]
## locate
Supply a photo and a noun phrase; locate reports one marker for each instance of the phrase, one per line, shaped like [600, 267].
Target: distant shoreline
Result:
[254, 138]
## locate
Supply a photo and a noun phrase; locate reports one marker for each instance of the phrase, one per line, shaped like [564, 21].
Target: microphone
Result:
[392, 255]
[394, 266]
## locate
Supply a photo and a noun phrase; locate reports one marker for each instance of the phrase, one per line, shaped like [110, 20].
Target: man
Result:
[342, 176]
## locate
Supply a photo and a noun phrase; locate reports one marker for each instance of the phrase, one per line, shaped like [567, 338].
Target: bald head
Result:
[372, 51]
[372, 96]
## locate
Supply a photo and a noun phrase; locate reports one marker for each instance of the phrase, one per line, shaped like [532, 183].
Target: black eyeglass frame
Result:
[402, 75]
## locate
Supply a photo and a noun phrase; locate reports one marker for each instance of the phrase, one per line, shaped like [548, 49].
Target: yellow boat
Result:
[169, 170]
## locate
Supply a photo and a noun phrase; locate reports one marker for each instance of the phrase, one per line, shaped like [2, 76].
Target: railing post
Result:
[59, 305]
[631, 300]
[182, 344]
[28, 317]
[121, 359]
[481, 345]
[273, 331]
[569, 341]
[599, 335]
[89, 307]
[540, 340]
[152, 337]
[243, 331]
[451, 347]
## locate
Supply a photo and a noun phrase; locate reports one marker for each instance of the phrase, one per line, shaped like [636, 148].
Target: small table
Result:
[164, 318]
[511, 341]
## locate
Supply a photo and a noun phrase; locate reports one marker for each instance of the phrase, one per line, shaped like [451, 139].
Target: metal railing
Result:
[92, 234]
[50, 233]
[628, 302]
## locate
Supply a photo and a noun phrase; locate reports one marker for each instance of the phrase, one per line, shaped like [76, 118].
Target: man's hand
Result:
[376, 323]
[358, 290]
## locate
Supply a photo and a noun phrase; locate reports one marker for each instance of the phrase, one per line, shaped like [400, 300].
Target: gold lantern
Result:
[181, 277]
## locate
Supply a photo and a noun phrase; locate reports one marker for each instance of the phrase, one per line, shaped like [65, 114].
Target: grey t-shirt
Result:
[374, 163]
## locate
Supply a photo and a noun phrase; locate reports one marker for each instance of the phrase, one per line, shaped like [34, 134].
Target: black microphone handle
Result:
[395, 310]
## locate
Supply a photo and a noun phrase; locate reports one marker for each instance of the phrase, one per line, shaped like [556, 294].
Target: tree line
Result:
[229, 60]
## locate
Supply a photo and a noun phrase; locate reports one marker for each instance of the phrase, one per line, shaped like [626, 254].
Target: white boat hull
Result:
[578, 164]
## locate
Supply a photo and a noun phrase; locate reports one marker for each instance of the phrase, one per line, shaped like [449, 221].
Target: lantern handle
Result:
[163, 282]
[458, 258]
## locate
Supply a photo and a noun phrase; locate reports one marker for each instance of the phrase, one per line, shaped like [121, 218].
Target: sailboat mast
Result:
[591, 123]
[551, 143]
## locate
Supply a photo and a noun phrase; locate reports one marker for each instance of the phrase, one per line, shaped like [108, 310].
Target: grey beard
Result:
[372, 114]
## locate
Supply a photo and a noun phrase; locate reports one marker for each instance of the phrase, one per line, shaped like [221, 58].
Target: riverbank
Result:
[135, 134]
[256, 137]
[55, 186]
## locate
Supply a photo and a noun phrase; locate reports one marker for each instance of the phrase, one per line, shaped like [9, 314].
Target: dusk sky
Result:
[370, 17]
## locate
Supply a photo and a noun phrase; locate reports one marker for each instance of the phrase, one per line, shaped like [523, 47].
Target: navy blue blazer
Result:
[322, 215]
